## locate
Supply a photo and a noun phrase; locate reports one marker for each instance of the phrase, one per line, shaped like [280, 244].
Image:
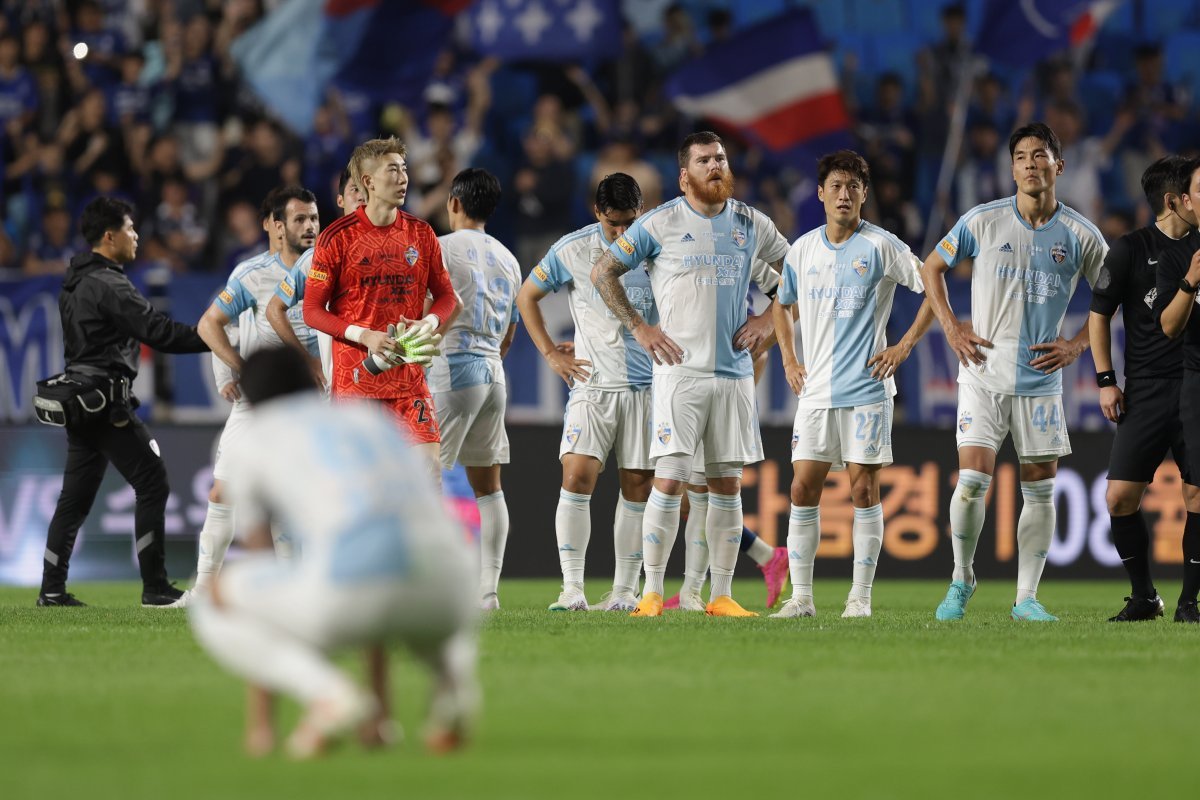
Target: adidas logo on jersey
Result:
[687, 237]
[1006, 248]
[812, 271]
[365, 261]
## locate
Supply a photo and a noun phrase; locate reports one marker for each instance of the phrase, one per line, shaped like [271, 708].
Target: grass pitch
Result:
[118, 701]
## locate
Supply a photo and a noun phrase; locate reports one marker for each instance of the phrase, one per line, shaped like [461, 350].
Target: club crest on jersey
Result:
[1150, 297]
[795, 441]
[664, 433]
[964, 421]
[571, 434]
[739, 237]
[1058, 252]
[859, 265]
[411, 255]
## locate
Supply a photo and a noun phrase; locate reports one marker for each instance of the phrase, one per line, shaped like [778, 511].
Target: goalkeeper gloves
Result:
[416, 345]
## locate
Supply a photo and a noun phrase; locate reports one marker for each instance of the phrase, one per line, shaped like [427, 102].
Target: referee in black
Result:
[104, 319]
[1147, 411]
[1178, 278]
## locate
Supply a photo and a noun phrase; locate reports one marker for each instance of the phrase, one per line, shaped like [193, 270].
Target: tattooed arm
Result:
[606, 277]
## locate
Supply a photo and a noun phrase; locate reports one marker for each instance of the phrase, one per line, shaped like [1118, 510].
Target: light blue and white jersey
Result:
[328, 477]
[244, 299]
[1022, 281]
[845, 296]
[700, 270]
[291, 291]
[618, 361]
[486, 276]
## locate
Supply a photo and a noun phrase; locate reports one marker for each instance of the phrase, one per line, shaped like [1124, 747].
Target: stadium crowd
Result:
[141, 99]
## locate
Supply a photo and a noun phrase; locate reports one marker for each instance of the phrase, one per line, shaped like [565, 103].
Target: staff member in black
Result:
[1178, 279]
[1147, 411]
[104, 318]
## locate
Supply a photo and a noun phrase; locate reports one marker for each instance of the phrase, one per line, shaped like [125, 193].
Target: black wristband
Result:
[1107, 378]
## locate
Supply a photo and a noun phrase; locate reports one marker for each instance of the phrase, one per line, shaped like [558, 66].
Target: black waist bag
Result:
[68, 400]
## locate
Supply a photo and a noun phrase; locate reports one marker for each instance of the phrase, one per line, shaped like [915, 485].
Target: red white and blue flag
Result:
[774, 83]
[1020, 33]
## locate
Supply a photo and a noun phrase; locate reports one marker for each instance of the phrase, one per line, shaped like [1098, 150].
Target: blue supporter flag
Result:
[383, 48]
[546, 30]
[1022, 33]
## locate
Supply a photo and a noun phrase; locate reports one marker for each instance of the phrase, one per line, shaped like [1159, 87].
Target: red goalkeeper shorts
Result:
[416, 417]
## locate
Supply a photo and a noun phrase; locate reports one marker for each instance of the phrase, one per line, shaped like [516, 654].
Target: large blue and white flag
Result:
[546, 30]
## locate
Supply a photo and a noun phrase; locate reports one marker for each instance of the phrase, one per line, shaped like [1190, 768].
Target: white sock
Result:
[573, 528]
[627, 545]
[493, 535]
[1035, 531]
[724, 535]
[695, 551]
[868, 539]
[967, 510]
[266, 655]
[215, 538]
[660, 524]
[804, 536]
[760, 551]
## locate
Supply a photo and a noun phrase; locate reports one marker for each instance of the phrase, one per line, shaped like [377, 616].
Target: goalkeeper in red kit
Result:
[367, 287]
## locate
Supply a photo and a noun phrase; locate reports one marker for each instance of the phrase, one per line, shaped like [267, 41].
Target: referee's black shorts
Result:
[1153, 424]
[1189, 415]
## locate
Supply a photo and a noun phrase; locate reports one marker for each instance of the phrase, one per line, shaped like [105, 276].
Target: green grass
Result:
[118, 701]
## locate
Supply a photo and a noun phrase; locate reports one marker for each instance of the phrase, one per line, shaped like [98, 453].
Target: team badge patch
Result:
[739, 237]
[964, 421]
[625, 245]
[859, 265]
[225, 296]
[664, 433]
[1058, 252]
[411, 255]
[571, 434]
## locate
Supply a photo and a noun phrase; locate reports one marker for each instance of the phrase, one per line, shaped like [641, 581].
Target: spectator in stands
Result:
[983, 174]
[104, 45]
[679, 42]
[242, 236]
[44, 63]
[51, 246]
[327, 149]
[1086, 157]
[18, 90]
[193, 79]
[177, 223]
[543, 188]
[887, 130]
[88, 140]
[258, 164]
[622, 155]
[130, 98]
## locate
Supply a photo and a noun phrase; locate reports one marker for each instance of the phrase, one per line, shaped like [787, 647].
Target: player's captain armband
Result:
[542, 275]
[225, 297]
[950, 245]
[315, 274]
[286, 288]
[625, 245]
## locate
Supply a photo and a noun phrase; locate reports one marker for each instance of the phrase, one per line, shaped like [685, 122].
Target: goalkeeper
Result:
[373, 269]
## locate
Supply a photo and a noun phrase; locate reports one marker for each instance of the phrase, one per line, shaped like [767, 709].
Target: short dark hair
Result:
[283, 195]
[1036, 130]
[479, 192]
[1168, 174]
[846, 161]
[618, 192]
[273, 372]
[267, 209]
[102, 215]
[343, 180]
[701, 137]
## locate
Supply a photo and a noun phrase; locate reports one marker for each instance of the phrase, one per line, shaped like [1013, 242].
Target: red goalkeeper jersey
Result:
[372, 276]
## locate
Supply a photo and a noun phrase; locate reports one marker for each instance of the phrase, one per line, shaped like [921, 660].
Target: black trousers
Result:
[132, 451]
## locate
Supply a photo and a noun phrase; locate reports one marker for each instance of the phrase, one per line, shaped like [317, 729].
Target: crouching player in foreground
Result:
[844, 276]
[380, 561]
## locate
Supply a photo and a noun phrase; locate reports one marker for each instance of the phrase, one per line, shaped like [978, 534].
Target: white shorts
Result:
[716, 414]
[239, 418]
[472, 423]
[840, 436]
[1037, 424]
[597, 422]
[298, 597]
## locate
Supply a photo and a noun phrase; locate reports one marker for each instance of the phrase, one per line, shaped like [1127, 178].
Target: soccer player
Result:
[609, 406]
[467, 382]
[701, 251]
[1028, 251]
[1176, 286]
[841, 278]
[1147, 411]
[374, 268]
[284, 313]
[244, 299]
[380, 561]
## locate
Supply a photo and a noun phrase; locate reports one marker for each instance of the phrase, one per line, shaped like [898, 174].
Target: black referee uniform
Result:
[1172, 269]
[105, 320]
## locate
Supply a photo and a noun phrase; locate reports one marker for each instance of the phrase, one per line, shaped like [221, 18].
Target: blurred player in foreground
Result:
[468, 380]
[380, 561]
[842, 276]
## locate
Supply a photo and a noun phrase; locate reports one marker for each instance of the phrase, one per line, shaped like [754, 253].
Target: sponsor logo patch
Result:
[315, 274]
[225, 296]
[411, 255]
[625, 245]
[1058, 252]
[950, 245]
[541, 273]
[287, 289]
